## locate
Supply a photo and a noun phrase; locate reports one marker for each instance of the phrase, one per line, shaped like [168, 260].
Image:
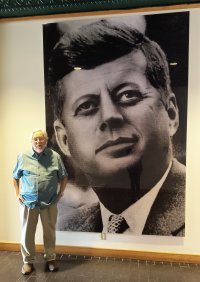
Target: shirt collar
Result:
[136, 215]
[33, 153]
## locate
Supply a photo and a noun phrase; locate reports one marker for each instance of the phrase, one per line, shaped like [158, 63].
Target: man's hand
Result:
[20, 198]
[60, 194]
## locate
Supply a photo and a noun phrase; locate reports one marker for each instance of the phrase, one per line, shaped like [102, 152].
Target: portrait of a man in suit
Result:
[115, 117]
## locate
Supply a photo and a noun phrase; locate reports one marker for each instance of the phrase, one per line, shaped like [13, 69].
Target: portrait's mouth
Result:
[120, 147]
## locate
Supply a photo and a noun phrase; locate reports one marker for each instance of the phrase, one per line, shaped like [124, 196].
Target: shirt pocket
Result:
[28, 173]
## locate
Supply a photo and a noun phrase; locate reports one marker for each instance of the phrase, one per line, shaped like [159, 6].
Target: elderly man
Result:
[116, 115]
[43, 180]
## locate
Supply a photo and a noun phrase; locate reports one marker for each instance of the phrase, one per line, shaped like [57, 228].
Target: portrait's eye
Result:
[87, 108]
[128, 97]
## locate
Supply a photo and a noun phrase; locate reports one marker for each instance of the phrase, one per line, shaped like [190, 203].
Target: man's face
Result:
[114, 118]
[38, 142]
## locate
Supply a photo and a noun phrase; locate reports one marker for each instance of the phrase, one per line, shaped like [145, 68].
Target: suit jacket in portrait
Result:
[166, 217]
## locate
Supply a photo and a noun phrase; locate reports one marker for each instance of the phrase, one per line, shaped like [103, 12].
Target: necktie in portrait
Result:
[117, 224]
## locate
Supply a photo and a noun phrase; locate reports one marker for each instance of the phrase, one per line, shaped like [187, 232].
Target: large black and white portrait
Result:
[116, 110]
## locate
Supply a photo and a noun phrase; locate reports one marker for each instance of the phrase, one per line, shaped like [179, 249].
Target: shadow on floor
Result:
[97, 269]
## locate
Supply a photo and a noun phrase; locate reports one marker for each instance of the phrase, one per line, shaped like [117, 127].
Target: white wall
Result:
[22, 108]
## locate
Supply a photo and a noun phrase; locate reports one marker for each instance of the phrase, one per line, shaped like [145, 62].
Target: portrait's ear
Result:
[61, 137]
[173, 114]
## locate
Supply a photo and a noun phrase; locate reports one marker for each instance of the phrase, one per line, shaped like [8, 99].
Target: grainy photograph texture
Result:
[116, 110]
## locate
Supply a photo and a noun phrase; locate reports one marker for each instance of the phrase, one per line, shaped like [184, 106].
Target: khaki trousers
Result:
[29, 219]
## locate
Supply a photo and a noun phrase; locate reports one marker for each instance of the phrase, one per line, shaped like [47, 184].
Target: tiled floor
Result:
[98, 269]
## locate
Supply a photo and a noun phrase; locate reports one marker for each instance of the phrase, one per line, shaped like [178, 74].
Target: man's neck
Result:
[38, 154]
[117, 199]
[114, 199]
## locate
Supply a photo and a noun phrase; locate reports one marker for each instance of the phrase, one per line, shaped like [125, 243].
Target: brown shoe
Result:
[52, 265]
[27, 268]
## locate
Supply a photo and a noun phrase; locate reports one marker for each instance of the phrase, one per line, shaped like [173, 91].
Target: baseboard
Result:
[140, 255]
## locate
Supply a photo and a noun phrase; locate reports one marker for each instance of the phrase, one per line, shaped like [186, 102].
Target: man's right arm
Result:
[16, 185]
[17, 174]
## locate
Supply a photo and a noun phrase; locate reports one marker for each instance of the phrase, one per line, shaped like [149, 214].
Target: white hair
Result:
[36, 130]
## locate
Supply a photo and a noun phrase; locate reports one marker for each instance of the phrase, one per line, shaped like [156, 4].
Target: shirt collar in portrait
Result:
[136, 215]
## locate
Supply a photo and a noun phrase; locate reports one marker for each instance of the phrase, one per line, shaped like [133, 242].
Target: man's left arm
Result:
[62, 176]
[63, 183]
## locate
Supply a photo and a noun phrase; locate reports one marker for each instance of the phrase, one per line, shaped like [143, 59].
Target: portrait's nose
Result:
[110, 115]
